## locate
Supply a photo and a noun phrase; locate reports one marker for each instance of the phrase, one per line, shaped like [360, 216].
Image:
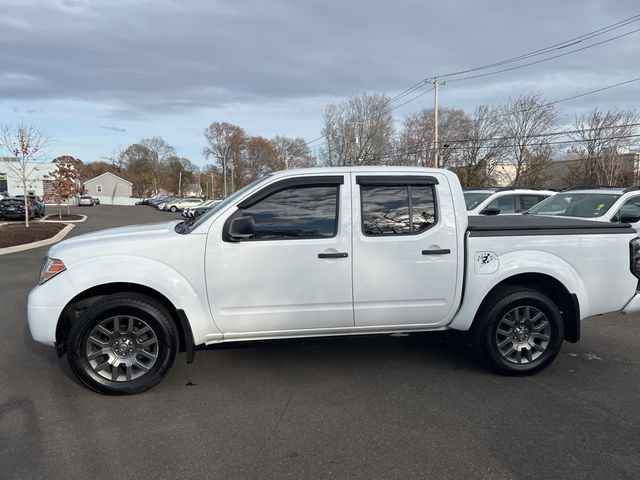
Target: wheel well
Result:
[567, 302]
[83, 300]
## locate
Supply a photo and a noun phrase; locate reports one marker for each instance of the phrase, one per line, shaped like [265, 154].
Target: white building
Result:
[37, 182]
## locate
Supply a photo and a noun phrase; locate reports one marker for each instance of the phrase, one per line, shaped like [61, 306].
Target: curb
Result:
[41, 243]
[83, 219]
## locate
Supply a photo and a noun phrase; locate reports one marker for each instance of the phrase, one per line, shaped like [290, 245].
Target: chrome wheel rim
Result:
[523, 335]
[122, 348]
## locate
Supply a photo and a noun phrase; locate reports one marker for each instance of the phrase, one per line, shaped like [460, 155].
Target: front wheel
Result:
[174, 209]
[122, 344]
[519, 331]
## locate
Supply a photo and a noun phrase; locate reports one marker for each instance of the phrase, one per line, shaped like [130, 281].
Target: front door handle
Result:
[440, 251]
[333, 255]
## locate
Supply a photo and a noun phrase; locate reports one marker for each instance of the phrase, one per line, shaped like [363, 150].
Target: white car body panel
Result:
[279, 288]
[154, 257]
[615, 207]
[394, 283]
[278, 285]
[520, 191]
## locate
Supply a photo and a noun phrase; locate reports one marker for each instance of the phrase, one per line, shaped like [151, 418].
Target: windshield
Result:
[187, 226]
[585, 205]
[473, 199]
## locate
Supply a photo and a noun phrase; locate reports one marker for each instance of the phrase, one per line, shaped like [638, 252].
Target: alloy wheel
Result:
[523, 335]
[122, 348]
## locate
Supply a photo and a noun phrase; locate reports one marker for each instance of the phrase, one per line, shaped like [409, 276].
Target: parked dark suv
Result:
[13, 209]
[37, 205]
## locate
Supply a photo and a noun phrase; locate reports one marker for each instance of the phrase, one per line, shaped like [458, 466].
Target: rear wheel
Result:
[174, 209]
[122, 344]
[518, 332]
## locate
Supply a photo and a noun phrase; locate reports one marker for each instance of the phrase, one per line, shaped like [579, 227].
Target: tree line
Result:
[514, 143]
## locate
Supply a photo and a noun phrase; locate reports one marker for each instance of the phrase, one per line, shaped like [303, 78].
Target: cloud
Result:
[142, 58]
[114, 129]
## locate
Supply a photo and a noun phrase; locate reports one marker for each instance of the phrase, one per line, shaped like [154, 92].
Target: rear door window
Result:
[504, 203]
[397, 209]
[529, 201]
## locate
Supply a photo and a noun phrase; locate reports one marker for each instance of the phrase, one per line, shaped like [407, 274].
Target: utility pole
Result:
[213, 192]
[180, 183]
[224, 176]
[436, 155]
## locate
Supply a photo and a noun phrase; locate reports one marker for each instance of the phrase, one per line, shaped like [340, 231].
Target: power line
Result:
[560, 100]
[423, 147]
[412, 99]
[545, 59]
[557, 46]
[392, 155]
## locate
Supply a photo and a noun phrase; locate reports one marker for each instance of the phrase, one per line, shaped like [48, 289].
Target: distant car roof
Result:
[508, 190]
[593, 191]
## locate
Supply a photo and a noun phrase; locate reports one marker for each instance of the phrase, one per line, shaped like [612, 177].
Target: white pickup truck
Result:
[331, 251]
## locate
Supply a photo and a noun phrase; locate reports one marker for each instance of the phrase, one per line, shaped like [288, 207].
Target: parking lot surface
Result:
[386, 407]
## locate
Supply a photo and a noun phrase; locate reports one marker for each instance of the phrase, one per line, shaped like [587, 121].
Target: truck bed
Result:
[521, 225]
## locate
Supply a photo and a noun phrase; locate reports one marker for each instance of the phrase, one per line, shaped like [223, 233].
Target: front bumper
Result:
[45, 305]
[43, 322]
[633, 306]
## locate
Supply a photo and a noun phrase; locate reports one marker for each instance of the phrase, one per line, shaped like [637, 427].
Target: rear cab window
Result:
[391, 206]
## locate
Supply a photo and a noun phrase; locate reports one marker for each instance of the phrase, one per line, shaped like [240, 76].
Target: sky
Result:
[99, 75]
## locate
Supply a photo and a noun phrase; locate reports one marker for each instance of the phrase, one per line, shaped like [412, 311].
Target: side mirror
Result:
[628, 218]
[490, 211]
[242, 228]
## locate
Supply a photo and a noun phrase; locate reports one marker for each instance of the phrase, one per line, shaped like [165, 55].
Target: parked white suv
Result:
[330, 251]
[501, 201]
[600, 204]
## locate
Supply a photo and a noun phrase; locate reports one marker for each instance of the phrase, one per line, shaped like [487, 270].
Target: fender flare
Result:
[511, 265]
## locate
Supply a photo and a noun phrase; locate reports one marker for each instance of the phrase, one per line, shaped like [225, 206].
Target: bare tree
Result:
[416, 140]
[292, 153]
[160, 153]
[527, 122]
[259, 159]
[225, 142]
[358, 131]
[476, 155]
[26, 143]
[601, 136]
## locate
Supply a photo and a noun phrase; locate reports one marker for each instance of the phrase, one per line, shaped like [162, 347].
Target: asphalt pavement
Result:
[385, 407]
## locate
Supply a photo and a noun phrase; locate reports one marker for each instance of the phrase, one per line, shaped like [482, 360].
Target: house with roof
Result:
[110, 189]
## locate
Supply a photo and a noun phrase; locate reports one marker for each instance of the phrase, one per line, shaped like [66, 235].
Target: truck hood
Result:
[96, 242]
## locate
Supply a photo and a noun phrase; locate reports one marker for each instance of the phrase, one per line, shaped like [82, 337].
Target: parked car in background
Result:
[86, 201]
[324, 252]
[606, 204]
[13, 209]
[161, 204]
[182, 203]
[501, 201]
[37, 205]
[198, 210]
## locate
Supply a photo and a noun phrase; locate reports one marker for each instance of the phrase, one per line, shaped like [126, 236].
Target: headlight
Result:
[50, 268]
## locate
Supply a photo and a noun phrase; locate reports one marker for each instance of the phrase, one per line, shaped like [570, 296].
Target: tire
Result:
[132, 332]
[174, 209]
[518, 331]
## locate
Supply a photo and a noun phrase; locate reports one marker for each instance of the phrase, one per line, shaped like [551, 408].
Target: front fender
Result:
[166, 280]
[478, 285]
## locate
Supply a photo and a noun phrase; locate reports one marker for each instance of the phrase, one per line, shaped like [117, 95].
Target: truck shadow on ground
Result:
[435, 350]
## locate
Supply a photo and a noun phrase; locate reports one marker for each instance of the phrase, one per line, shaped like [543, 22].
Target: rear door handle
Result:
[440, 251]
[333, 255]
